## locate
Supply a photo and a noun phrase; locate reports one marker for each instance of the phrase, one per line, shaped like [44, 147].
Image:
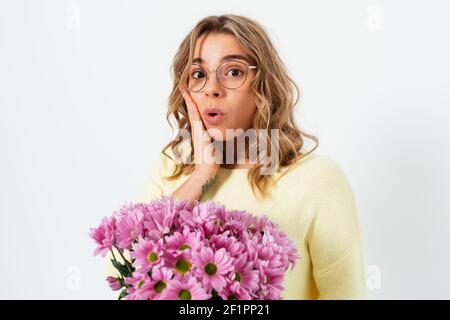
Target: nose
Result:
[212, 87]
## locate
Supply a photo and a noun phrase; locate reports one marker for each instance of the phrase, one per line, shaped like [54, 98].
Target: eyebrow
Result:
[224, 58]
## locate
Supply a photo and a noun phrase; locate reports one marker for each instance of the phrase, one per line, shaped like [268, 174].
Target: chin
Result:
[218, 134]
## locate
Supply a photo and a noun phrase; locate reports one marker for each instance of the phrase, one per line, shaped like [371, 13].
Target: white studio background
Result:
[83, 96]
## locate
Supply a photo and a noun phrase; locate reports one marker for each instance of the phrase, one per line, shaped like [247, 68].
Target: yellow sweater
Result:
[313, 204]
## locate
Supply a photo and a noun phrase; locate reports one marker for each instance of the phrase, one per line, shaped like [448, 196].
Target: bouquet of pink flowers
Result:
[199, 251]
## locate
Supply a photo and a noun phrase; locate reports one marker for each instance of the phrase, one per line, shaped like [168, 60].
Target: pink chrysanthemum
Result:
[213, 267]
[150, 288]
[181, 263]
[243, 281]
[148, 253]
[201, 214]
[186, 288]
[161, 279]
[129, 228]
[180, 242]
[228, 242]
[159, 221]
[237, 221]
[245, 273]
[136, 282]
[104, 235]
[181, 250]
[114, 283]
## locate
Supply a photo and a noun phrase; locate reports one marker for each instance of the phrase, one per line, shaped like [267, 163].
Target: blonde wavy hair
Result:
[276, 95]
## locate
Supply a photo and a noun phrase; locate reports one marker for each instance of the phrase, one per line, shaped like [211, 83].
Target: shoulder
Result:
[314, 166]
[317, 176]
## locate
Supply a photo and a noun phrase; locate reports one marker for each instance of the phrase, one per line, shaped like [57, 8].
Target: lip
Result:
[213, 120]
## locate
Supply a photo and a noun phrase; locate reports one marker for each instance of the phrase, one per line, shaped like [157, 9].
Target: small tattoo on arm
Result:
[206, 185]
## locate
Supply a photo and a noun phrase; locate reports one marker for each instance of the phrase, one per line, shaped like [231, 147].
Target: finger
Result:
[188, 98]
[194, 115]
[188, 105]
[196, 129]
[191, 115]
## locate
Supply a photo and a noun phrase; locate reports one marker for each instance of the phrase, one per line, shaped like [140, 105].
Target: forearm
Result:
[194, 187]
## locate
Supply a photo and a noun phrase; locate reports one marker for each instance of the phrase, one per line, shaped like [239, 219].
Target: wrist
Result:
[202, 176]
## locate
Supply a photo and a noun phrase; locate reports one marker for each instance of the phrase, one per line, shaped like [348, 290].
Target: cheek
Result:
[197, 99]
[244, 109]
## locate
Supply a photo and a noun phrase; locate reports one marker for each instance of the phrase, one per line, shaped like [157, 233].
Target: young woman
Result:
[227, 75]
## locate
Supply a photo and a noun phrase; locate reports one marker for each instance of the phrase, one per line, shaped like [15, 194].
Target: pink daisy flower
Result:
[244, 280]
[271, 287]
[230, 243]
[235, 292]
[136, 282]
[179, 242]
[187, 289]
[285, 248]
[213, 267]
[270, 280]
[146, 288]
[245, 273]
[160, 219]
[275, 283]
[202, 213]
[104, 236]
[181, 262]
[161, 279]
[129, 228]
[264, 222]
[208, 229]
[114, 283]
[148, 254]
[237, 221]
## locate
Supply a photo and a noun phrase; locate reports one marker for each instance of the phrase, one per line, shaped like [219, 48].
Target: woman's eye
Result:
[197, 74]
[234, 73]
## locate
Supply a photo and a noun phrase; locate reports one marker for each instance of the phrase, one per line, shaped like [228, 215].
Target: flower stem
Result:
[112, 252]
[127, 263]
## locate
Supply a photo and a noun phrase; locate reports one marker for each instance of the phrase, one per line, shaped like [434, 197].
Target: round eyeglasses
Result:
[230, 74]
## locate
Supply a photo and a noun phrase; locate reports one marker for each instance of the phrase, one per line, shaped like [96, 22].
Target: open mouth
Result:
[214, 117]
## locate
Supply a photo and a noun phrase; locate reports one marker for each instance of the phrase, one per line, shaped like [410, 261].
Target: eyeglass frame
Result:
[208, 73]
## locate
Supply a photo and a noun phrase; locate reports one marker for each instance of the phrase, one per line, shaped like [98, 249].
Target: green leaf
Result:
[215, 296]
[123, 294]
[121, 268]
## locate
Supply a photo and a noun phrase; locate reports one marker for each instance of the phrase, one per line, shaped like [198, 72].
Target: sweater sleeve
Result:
[335, 239]
[154, 185]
